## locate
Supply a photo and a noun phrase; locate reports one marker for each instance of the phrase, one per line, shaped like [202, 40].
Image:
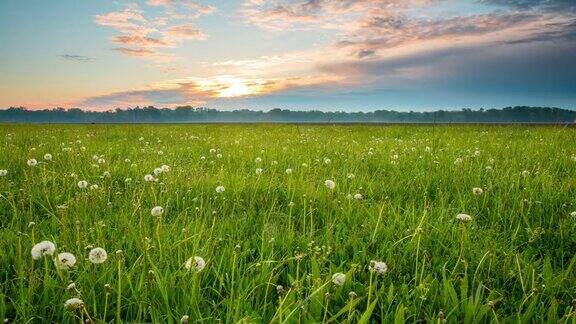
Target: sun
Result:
[234, 88]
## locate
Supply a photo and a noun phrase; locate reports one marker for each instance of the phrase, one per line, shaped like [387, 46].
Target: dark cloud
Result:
[76, 58]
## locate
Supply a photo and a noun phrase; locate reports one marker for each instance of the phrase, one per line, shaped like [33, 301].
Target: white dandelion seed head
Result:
[573, 214]
[350, 176]
[82, 184]
[157, 211]
[149, 178]
[464, 217]
[73, 304]
[525, 173]
[185, 319]
[101, 161]
[94, 187]
[259, 171]
[358, 196]
[288, 171]
[106, 174]
[458, 161]
[195, 263]
[327, 161]
[258, 160]
[218, 156]
[3, 172]
[378, 267]
[220, 189]
[44, 248]
[330, 184]
[48, 157]
[165, 168]
[65, 260]
[127, 161]
[32, 162]
[477, 191]
[339, 278]
[97, 255]
[158, 171]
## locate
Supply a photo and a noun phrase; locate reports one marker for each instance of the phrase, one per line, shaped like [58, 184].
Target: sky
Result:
[346, 55]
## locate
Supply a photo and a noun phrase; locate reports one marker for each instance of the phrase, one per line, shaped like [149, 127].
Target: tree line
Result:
[188, 114]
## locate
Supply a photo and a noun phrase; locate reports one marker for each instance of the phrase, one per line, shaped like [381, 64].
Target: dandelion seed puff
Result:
[82, 184]
[288, 171]
[97, 255]
[350, 176]
[127, 161]
[48, 157]
[220, 189]
[32, 162]
[378, 267]
[65, 261]
[195, 263]
[157, 211]
[218, 156]
[327, 161]
[258, 160]
[73, 304]
[259, 171]
[94, 187]
[42, 249]
[185, 319]
[330, 184]
[158, 171]
[458, 161]
[106, 174]
[349, 196]
[339, 278]
[3, 173]
[149, 178]
[573, 214]
[525, 173]
[165, 168]
[358, 196]
[101, 161]
[477, 191]
[464, 217]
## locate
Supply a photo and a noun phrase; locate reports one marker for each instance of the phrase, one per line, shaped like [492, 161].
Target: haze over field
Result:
[352, 55]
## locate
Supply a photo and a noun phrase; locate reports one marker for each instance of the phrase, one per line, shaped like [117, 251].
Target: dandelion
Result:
[378, 267]
[42, 249]
[157, 171]
[74, 304]
[94, 187]
[3, 173]
[157, 211]
[525, 173]
[477, 191]
[101, 161]
[148, 178]
[106, 174]
[464, 217]
[339, 278]
[458, 161]
[330, 184]
[82, 184]
[358, 196]
[127, 161]
[48, 157]
[220, 189]
[165, 168]
[259, 171]
[351, 176]
[185, 319]
[97, 255]
[288, 171]
[258, 160]
[195, 263]
[573, 214]
[327, 161]
[32, 162]
[65, 261]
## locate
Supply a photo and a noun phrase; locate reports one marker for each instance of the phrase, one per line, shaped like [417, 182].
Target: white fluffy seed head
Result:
[97, 255]
[358, 196]
[82, 184]
[259, 171]
[32, 162]
[195, 263]
[42, 249]
[3, 173]
[157, 211]
[48, 157]
[477, 191]
[148, 178]
[288, 171]
[73, 304]
[330, 184]
[339, 278]
[464, 217]
[378, 267]
[220, 189]
[65, 261]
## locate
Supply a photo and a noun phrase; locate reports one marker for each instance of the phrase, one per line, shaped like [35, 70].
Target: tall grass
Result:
[273, 241]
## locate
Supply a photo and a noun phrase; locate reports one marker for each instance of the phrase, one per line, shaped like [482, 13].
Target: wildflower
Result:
[65, 261]
[258, 160]
[48, 157]
[185, 319]
[288, 171]
[106, 174]
[525, 173]
[259, 171]
[71, 287]
[378, 266]
[82, 184]
[101, 161]
[3, 173]
[32, 162]
[477, 191]
[573, 214]
[330, 184]
[464, 217]
[42, 249]
[157, 211]
[97, 255]
[338, 278]
[148, 178]
[165, 168]
[127, 161]
[94, 187]
[352, 295]
[327, 161]
[350, 176]
[458, 161]
[73, 304]
[157, 171]
[195, 263]
[220, 189]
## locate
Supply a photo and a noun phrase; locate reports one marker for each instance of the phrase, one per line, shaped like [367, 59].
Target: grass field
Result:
[288, 247]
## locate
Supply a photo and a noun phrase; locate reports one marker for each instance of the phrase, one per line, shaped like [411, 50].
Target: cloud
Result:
[76, 58]
[142, 37]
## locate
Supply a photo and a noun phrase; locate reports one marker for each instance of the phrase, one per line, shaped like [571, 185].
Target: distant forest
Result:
[187, 114]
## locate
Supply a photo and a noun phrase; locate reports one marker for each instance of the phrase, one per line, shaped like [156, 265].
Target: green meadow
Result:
[287, 224]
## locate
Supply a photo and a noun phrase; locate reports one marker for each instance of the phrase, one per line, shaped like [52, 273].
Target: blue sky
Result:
[355, 55]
